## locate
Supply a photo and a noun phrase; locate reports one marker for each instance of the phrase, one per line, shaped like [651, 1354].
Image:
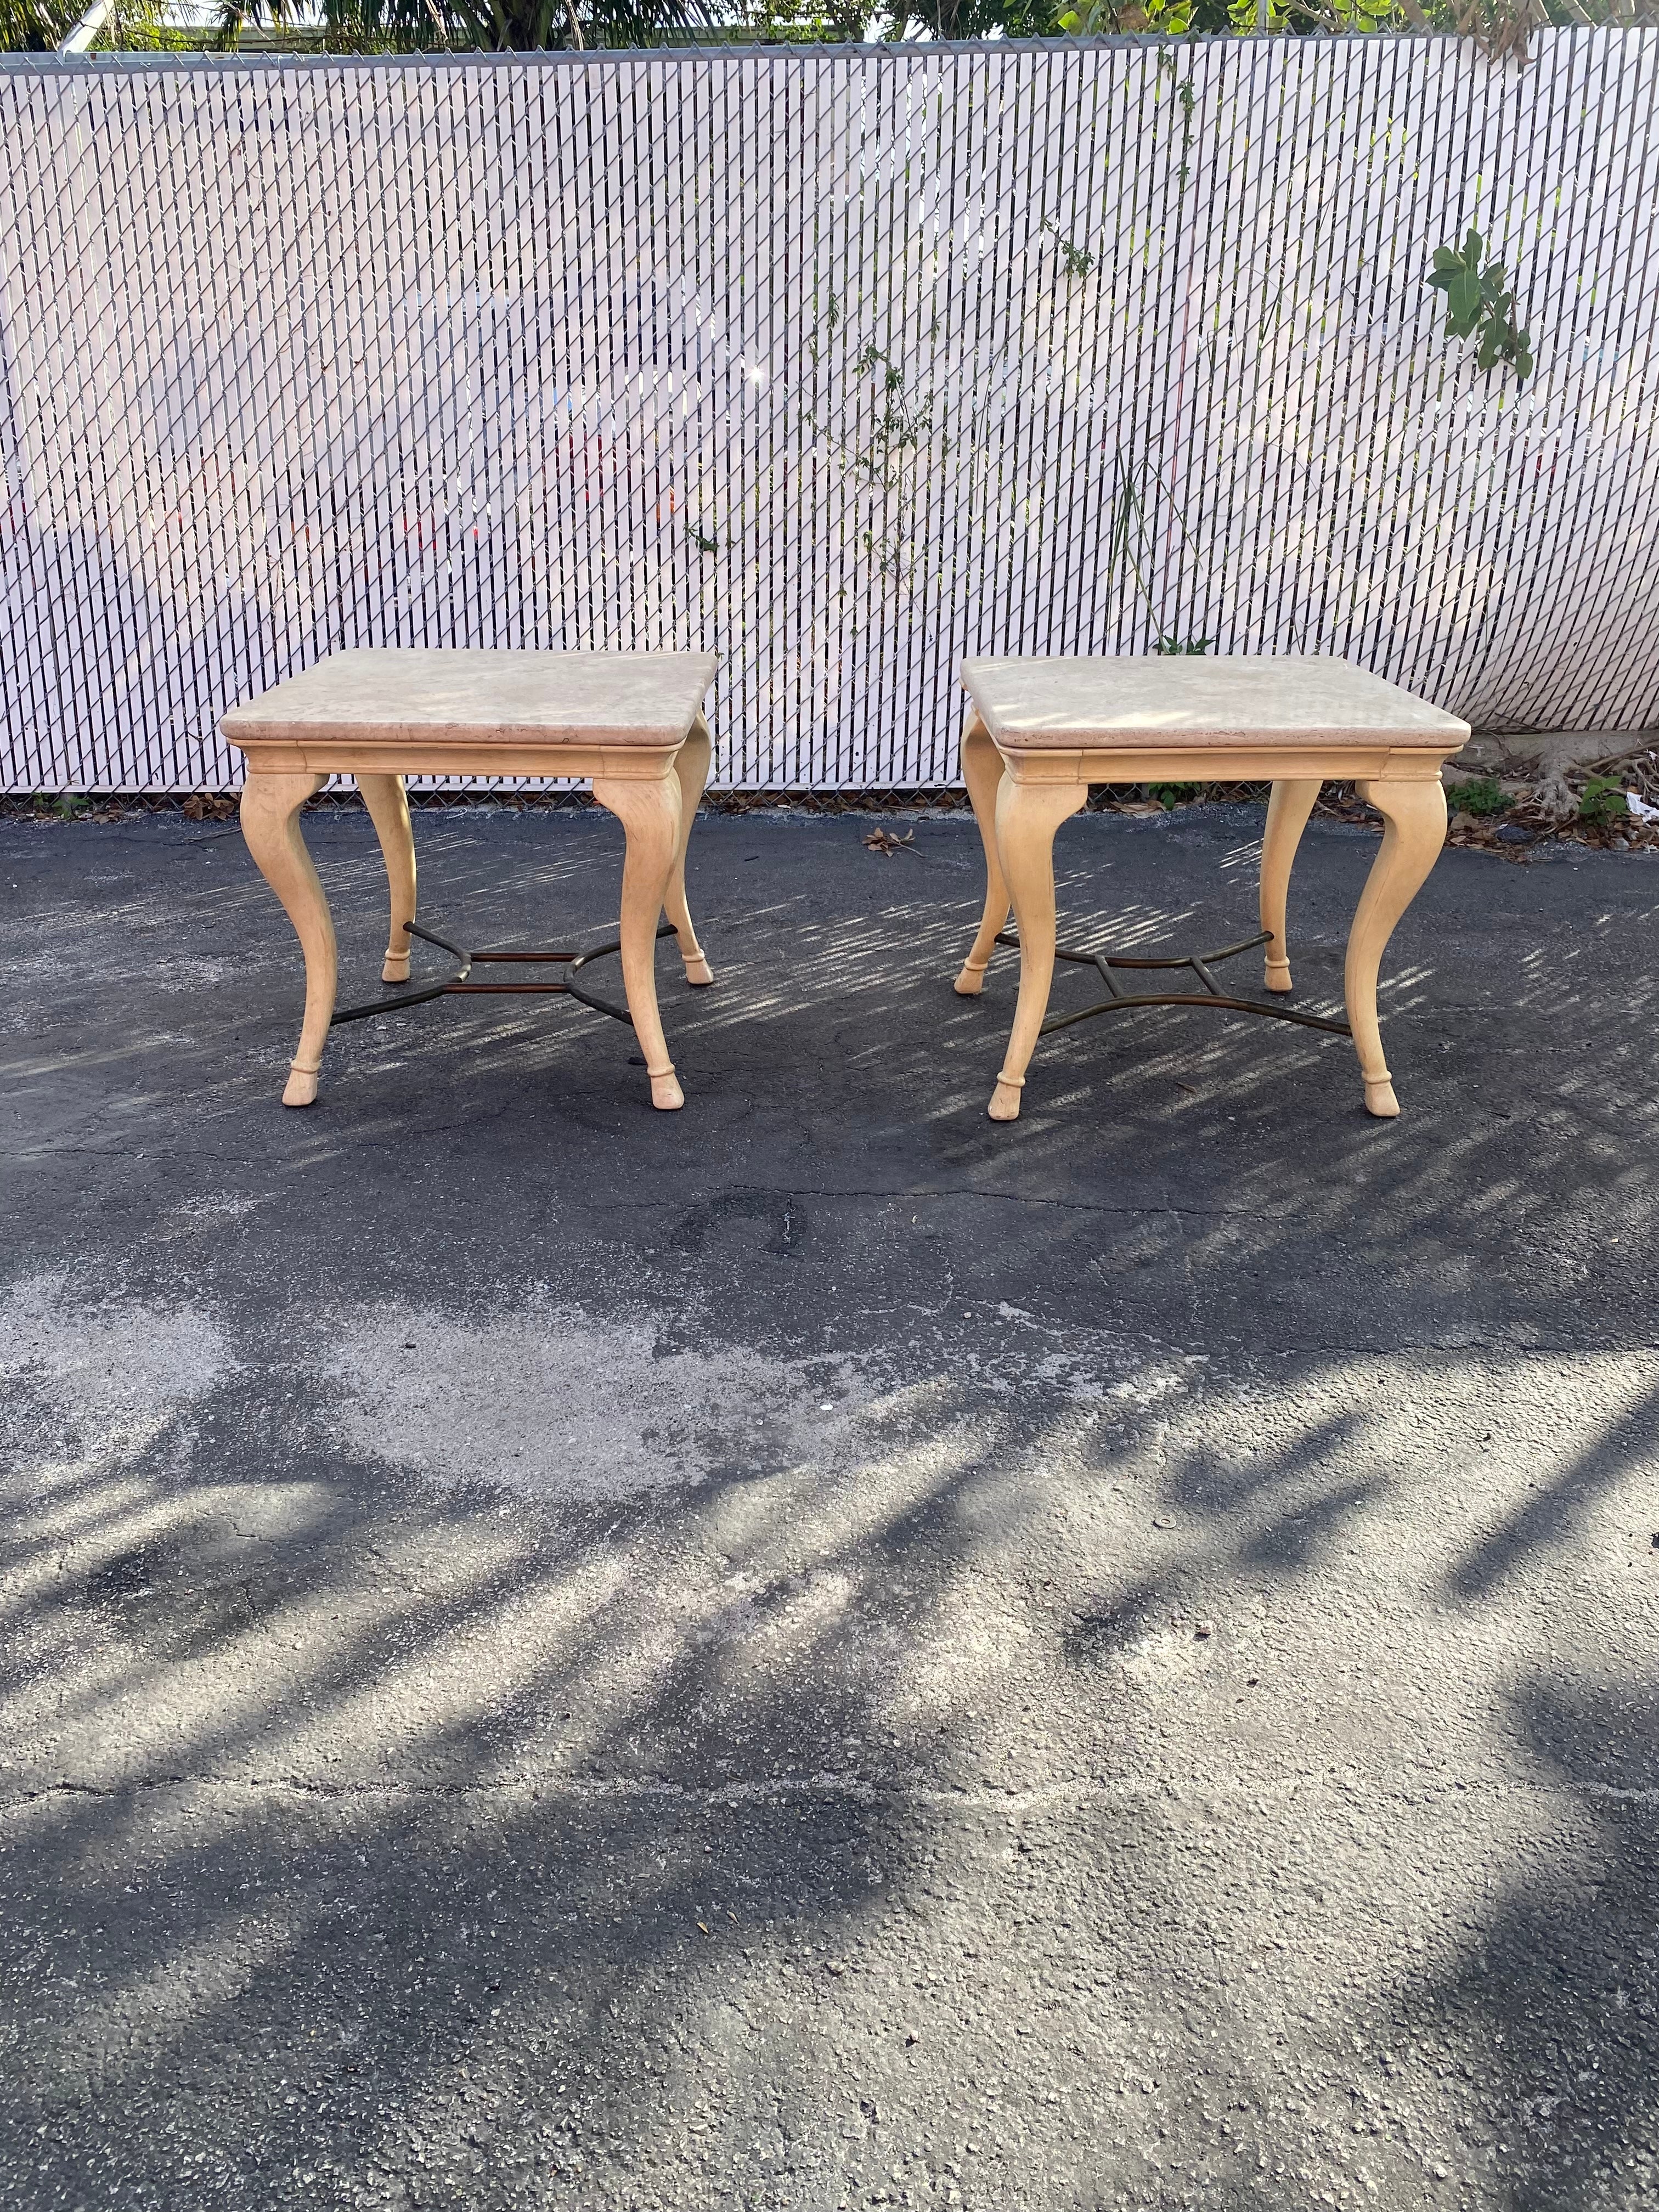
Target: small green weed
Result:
[1603, 801]
[1481, 794]
[1173, 794]
[1167, 645]
[1479, 304]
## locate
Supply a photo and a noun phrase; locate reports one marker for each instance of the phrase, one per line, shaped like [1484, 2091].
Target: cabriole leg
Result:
[1413, 832]
[981, 771]
[388, 808]
[650, 816]
[1028, 815]
[1288, 810]
[691, 768]
[271, 825]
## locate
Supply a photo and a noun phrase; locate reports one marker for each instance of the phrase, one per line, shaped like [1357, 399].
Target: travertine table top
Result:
[465, 697]
[1248, 700]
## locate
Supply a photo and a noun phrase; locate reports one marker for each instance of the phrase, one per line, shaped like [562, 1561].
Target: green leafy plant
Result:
[1603, 802]
[902, 424]
[886, 438]
[1173, 794]
[1481, 794]
[1479, 304]
[1169, 645]
[1075, 260]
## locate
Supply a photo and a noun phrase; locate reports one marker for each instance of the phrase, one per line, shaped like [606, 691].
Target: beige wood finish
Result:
[1041, 731]
[632, 722]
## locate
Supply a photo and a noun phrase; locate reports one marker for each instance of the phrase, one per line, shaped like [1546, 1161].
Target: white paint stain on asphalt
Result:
[110, 1361]
[551, 1402]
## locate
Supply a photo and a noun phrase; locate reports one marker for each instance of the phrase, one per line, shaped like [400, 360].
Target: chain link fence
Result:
[840, 364]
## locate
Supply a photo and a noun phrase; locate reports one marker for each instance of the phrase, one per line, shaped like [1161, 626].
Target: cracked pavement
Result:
[820, 1651]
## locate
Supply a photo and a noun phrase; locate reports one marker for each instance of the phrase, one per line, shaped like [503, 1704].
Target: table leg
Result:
[271, 824]
[691, 767]
[981, 771]
[388, 808]
[650, 816]
[1288, 810]
[1413, 830]
[1028, 815]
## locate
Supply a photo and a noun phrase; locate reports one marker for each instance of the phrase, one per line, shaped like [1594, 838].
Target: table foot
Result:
[1005, 1099]
[1380, 1099]
[1276, 974]
[395, 969]
[665, 1093]
[698, 972]
[971, 982]
[301, 1087]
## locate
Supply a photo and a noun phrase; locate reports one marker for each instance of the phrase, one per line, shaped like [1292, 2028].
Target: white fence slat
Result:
[843, 365]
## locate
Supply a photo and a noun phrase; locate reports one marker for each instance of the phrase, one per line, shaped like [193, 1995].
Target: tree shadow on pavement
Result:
[1089, 1676]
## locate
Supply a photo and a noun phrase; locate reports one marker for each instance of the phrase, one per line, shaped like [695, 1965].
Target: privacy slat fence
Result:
[840, 364]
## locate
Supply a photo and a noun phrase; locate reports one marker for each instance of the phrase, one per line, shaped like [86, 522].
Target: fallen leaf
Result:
[883, 841]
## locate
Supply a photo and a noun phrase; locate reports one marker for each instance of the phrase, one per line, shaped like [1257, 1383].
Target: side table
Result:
[632, 722]
[1042, 730]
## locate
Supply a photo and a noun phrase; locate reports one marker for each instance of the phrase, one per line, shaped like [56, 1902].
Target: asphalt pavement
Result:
[822, 1651]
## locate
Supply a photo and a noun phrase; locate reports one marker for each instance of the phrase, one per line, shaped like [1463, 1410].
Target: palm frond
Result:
[37, 26]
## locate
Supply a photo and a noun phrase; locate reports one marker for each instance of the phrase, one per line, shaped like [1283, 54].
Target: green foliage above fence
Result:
[1502, 27]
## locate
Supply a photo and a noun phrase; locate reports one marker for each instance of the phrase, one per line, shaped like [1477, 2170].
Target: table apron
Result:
[343, 757]
[1227, 764]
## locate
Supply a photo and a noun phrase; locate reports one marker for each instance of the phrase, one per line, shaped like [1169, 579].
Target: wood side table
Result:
[1042, 730]
[633, 721]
